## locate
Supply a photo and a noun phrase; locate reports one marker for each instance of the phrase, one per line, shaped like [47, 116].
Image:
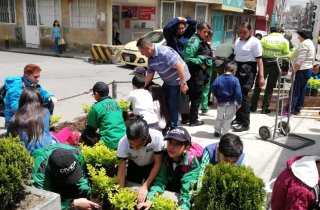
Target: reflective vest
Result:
[275, 45]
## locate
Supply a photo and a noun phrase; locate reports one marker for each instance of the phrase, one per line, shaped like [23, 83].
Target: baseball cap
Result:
[65, 167]
[139, 71]
[179, 134]
[101, 87]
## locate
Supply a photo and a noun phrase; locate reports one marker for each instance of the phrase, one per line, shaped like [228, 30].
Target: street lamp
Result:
[267, 18]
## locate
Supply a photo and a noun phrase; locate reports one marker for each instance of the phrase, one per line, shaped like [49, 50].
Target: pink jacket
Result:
[292, 189]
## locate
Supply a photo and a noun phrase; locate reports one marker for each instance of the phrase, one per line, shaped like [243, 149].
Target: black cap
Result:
[101, 87]
[179, 134]
[139, 71]
[65, 167]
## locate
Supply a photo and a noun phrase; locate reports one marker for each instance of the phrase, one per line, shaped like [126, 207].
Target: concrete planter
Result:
[51, 200]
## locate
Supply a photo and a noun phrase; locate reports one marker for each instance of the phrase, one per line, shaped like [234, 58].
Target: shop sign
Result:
[139, 13]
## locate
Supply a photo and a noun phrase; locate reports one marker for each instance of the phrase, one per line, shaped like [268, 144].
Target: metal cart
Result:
[280, 133]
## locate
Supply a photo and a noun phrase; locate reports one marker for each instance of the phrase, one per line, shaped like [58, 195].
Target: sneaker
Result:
[196, 123]
[216, 134]
[265, 111]
[235, 122]
[240, 128]
[185, 121]
[296, 113]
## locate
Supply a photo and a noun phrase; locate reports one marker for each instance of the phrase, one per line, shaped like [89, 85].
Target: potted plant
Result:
[15, 167]
[123, 199]
[100, 156]
[163, 203]
[228, 187]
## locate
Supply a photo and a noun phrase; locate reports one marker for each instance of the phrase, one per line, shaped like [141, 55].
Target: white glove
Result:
[53, 99]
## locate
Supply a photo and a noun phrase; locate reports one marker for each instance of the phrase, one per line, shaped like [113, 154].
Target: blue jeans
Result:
[172, 100]
[299, 89]
[56, 45]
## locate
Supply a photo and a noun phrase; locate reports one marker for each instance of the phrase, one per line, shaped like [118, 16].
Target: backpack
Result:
[316, 204]
[194, 151]
[2, 95]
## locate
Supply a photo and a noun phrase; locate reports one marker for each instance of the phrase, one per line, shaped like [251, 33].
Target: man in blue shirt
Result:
[172, 70]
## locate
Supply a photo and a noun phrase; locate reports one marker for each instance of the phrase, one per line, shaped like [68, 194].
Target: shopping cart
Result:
[280, 133]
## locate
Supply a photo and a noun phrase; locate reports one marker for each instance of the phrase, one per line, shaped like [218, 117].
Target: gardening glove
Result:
[142, 194]
[53, 99]
[145, 205]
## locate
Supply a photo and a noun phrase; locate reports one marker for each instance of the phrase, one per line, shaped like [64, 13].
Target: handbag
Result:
[184, 104]
[61, 41]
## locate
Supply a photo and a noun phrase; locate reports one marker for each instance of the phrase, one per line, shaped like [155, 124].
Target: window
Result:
[7, 11]
[167, 12]
[230, 23]
[201, 13]
[83, 13]
[49, 10]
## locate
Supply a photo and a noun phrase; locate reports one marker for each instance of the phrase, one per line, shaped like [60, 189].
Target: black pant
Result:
[195, 84]
[246, 73]
[271, 71]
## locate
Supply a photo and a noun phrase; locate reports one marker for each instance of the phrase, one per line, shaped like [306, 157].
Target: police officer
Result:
[274, 45]
[248, 55]
[198, 60]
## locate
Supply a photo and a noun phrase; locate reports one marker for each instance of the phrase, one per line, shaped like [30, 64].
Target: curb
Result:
[45, 53]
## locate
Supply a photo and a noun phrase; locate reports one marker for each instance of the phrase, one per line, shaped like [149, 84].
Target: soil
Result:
[29, 202]
[79, 124]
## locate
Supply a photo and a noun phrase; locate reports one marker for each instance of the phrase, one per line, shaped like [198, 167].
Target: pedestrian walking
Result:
[199, 61]
[273, 46]
[173, 71]
[248, 55]
[178, 31]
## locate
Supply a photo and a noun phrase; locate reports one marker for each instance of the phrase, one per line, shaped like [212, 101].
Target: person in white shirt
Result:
[303, 59]
[159, 105]
[141, 149]
[142, 102]
[248, 55]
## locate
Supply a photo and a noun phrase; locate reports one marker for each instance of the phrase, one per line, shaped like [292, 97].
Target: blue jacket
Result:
[14, 89]
[178, 42]
[226, 88]
[46, 139]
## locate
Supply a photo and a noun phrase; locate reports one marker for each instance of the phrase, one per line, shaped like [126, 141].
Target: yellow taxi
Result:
[130, 54]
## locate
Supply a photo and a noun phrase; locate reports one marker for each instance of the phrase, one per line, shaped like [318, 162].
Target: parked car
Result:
[130, 54]
[259, 34]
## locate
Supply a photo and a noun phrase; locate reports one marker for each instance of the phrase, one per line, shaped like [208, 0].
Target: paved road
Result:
[67, 77]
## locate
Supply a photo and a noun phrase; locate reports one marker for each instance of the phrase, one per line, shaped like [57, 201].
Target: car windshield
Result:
[155, 36]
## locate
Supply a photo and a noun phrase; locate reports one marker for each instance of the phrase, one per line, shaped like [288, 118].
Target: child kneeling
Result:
[142, 149]
[178, 171]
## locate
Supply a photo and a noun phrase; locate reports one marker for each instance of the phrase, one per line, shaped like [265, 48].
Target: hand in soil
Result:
[85, 204]
[145, 205]
[142, 194]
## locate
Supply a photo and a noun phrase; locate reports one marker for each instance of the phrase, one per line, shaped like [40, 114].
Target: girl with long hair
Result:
[32, 120]
[159, 104]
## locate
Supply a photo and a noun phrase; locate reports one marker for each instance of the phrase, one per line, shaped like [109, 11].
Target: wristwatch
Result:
[183, 84]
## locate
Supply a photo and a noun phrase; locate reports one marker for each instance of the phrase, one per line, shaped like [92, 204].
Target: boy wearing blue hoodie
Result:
[226, 88]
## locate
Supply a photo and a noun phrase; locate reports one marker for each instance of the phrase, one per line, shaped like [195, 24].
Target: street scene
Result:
[164, 105]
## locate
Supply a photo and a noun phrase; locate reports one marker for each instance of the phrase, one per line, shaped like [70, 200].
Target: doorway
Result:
[31, 23]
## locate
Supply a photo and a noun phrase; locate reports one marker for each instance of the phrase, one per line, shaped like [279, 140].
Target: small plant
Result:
[100, 156]
[123, 199]
[54, 119]
[163, 203]
[124, 105]
[86, 108]
[15, 167]
[228, 187]
[101, 183]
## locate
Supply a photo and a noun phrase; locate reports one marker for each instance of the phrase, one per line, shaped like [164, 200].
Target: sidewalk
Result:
[46, 52]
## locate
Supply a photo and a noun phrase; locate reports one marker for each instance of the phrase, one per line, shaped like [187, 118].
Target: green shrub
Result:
[54, 119]
[123, 199]
[101, 183]
[15, 166]
[86, 108]
[123, 104]
[100, 156]
[228, 187]
[163, 203]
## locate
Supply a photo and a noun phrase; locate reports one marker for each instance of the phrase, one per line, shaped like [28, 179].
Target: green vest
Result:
[106, 115]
